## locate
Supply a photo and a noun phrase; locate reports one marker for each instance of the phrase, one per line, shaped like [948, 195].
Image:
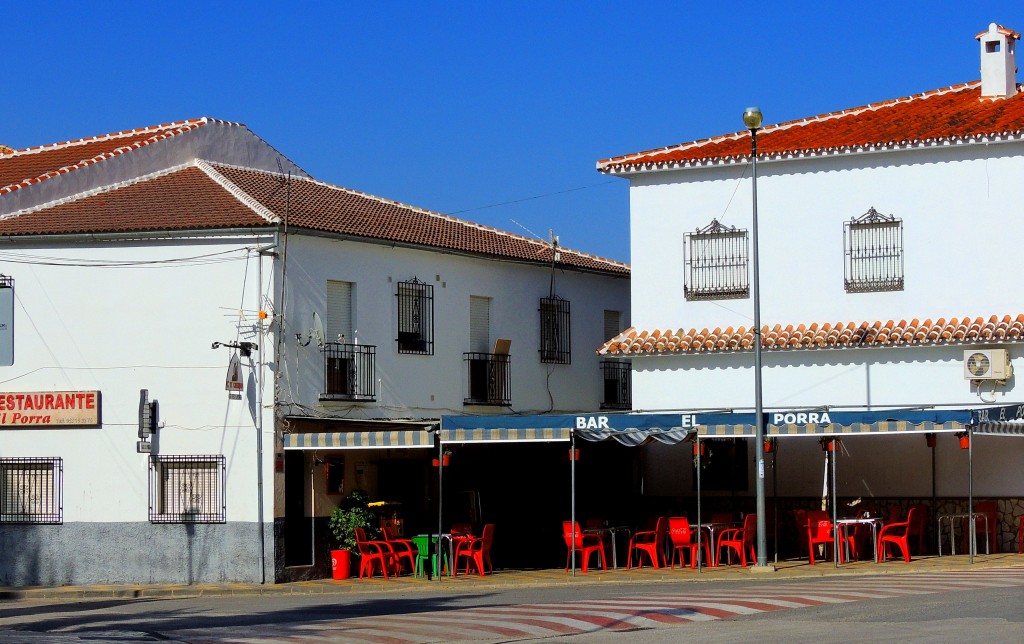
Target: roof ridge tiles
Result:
[161, 132]
[430, 213]
[850, 335]
[235, 191]
[676, 154]
[98, 191]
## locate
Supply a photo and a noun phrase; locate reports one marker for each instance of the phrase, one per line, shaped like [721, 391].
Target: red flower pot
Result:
[768, 447]
[703, 449]
[965, 442]
[828, 445]
[341, 564]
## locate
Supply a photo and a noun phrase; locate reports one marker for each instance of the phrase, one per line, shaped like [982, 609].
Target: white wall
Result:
[429, 386]
[961, 213]
[962, 217]
[87, 326]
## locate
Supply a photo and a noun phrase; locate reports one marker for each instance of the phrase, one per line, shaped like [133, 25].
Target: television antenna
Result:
[315, 333]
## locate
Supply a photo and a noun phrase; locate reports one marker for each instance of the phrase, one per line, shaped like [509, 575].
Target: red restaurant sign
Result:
[50, 409]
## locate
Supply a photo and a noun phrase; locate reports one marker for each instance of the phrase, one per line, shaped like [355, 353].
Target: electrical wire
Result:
[541, 196]
[195, 260]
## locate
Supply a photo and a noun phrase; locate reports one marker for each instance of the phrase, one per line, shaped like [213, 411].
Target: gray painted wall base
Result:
[75, 554]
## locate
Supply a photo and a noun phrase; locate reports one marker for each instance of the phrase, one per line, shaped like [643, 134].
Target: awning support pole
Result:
[572, 497]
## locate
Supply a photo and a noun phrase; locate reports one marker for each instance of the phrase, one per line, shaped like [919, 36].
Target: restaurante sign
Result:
[49, 409]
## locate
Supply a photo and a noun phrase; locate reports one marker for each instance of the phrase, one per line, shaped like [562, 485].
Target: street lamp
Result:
[752, 119]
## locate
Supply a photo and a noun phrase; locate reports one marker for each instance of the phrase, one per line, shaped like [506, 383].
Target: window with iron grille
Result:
[874, 253]
[618, 384]
[716, 259]
[31, 490]
[415, 317]
[555, 339]
[187, 489]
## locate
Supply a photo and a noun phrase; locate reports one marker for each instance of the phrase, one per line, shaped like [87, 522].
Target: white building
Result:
[888, 250]
[331, 313]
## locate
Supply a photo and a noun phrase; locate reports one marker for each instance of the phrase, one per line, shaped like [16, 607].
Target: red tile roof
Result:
[840, 335]
[320, 206]
[955, 114]
[21, 168]
[184, 200]
[209, 196]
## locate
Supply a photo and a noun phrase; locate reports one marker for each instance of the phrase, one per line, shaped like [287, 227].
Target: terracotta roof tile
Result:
[25, 167]
[208, 196]
[187, 199]
[954, 114]
[320, 206]
[841, 335]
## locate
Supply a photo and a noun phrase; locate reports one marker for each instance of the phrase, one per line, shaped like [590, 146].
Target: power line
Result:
[547, 194]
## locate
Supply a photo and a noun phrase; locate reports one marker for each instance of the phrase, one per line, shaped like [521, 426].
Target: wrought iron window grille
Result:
[415, 317]
[489, 379]
[716, 261]
[32, 490]
[873, 245]
[555, 335]
[349, 372]
[617, 376]
[187, 489]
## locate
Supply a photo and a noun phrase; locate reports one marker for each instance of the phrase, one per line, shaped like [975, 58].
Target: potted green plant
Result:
[353, 512]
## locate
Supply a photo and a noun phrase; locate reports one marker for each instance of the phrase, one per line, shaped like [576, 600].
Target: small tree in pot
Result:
[353, 512]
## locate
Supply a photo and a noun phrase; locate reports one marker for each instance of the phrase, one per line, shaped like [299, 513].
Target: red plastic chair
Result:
[821, 531]
[682, 539]
[403, 548]
[919, 527]
[800, 519]
[1020, 537]
[897, 534]
[740, 540]
[476, 550]
[585, 543]
[373, 553]
[990, 510]
[651, 543]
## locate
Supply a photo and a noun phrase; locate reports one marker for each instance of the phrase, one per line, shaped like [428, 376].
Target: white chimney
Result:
[998, 62]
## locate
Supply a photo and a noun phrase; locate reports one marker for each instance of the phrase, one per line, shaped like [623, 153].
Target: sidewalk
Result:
[786, 570]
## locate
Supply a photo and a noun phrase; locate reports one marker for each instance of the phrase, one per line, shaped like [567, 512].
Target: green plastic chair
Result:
[421, 541]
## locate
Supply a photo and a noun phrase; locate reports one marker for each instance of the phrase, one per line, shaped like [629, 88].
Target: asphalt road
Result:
[993, 614]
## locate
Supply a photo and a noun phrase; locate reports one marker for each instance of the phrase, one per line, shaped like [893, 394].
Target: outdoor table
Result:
[970, 516]
[710, 528]
[842, 525]
[612, 530]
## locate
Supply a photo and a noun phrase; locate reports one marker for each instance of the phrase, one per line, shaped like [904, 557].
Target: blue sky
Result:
[461, 106]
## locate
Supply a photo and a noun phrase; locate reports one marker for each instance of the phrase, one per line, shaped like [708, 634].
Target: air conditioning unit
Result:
[987, 364]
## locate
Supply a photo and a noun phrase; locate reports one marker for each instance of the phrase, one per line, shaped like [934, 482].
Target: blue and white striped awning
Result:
[837, 423]
[628, 429]
[414, 438]
[1004, 428]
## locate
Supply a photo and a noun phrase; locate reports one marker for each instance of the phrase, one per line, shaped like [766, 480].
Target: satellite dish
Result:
[318, 330]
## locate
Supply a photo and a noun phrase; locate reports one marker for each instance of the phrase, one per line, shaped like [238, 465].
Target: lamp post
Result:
[752, 119]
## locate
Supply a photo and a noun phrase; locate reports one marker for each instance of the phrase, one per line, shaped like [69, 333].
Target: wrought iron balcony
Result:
[349, 372]
[489, 379]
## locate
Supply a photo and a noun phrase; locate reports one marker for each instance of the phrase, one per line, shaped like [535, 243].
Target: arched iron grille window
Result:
[415, 317]
[874, 253]
[716, 259]
[555, 339]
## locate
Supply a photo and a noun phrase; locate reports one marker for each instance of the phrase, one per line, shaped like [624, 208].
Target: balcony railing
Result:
[489, 379]
[618, 385]
[349, 372]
